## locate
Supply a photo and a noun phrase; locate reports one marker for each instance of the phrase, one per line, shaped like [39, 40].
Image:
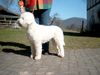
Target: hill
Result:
[74, 23]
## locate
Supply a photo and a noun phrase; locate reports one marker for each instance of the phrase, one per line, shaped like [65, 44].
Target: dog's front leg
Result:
[32, 51]
[38, 47]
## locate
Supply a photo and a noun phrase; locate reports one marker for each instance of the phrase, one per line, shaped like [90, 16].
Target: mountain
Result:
[74, 23]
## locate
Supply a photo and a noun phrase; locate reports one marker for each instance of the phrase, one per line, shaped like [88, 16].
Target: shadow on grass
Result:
[25, 50]
[82, 34]
[19, 52]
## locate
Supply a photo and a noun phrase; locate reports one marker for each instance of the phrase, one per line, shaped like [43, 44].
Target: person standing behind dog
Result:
[41, 10]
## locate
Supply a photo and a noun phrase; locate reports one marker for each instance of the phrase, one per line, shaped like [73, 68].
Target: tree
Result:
[53, 18]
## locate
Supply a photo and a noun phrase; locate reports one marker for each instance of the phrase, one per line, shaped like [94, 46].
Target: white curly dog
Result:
[39, 34]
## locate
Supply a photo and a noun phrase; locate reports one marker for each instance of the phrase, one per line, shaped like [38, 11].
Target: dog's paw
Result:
[31, 56]
[61, 55]
[37, 58]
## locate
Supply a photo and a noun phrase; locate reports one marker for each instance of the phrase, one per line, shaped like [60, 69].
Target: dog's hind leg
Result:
[60, 50]
[60, 47]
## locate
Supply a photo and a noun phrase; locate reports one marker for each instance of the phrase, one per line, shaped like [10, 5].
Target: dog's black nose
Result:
[18, 23]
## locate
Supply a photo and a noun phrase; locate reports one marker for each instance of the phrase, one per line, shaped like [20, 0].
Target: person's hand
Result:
[22, 9]
[21, 4]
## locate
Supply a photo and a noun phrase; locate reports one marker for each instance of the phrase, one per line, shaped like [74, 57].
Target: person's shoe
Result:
[45, 53]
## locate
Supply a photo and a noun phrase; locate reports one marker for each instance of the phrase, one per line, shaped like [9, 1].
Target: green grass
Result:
[11, 37]
[18, 37]
[81, 42]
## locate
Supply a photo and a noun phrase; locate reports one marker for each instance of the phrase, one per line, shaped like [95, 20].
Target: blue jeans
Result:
[42, 17]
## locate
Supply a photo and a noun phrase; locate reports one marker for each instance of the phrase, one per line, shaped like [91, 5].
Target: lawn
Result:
[16, 39]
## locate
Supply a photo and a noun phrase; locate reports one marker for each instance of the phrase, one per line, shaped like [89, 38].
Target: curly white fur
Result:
[39, 34]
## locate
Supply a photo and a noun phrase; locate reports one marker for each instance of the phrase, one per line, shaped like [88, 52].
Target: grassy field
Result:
[16, 39]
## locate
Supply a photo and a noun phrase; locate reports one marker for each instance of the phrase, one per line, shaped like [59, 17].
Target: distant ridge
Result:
[74, 23]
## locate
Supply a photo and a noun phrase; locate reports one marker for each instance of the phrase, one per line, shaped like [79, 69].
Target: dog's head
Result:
[26, 19]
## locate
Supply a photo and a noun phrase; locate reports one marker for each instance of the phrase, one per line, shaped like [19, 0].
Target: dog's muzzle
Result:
[19, 23]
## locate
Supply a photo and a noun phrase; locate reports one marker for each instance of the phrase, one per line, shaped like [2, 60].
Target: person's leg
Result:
[36, 15]
[44, 19]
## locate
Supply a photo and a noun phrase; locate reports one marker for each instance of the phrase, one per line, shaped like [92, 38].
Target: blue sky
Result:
[69, 8]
